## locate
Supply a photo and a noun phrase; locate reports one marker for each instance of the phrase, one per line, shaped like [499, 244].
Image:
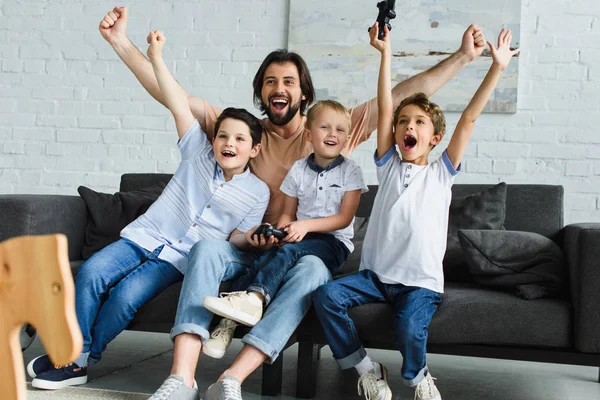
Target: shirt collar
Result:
[317, 168]
[218, 174]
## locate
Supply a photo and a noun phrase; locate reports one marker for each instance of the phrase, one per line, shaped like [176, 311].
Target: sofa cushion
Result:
[526, 262]
[482, 210]
[471, 314]
[108, 214]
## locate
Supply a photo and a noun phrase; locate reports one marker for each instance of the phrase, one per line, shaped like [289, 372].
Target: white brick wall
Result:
[72, 114]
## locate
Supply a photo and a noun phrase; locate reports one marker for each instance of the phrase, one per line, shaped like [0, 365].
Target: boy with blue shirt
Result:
[322, 195]
[401, 262]
[211, 195]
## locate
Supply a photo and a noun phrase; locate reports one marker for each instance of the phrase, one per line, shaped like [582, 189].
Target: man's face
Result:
[281, 93]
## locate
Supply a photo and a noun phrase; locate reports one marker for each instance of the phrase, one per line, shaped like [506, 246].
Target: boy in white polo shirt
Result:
[401, 262]
[212, 194]
[322, 195]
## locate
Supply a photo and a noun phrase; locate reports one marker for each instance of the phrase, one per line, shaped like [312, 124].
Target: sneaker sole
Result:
[52, 385]
[213, 353]
[30, 370]
[238, 316]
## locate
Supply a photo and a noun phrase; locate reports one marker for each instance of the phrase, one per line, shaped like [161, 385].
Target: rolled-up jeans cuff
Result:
[258, 288]
[192, 329]
[415, 381]
[263, 346]
[353, 359]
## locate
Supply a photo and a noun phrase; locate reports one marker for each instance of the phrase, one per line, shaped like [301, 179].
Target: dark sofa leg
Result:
[272, 375]
[306, 383]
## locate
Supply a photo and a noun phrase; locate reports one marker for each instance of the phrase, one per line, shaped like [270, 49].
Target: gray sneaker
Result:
[173, 388]
[227, 388]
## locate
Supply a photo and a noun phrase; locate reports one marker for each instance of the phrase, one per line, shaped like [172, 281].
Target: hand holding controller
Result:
[268, 231]
[386, 13]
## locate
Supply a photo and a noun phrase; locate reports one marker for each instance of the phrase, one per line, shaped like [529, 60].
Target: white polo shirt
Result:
[320, 190]
[198, 204]
[406, 236]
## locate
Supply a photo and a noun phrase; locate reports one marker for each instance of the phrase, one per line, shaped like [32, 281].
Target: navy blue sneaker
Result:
[38, 365]
[58, 378]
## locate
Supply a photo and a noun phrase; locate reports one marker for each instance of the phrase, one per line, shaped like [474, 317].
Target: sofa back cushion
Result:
[131, 182]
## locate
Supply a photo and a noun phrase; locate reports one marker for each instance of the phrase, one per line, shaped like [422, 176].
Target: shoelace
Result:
[166, 389]
[232, 295]
[368, 383]
[425, 389]
[222, 329]
[231, 390]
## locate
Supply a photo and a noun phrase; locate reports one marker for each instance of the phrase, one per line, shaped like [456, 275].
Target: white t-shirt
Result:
[319, 191]
[407, 232]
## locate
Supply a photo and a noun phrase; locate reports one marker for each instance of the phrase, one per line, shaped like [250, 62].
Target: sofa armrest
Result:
[581, 246]
[44, 214]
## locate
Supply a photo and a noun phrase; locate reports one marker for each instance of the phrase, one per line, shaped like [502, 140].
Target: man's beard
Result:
[281, 120]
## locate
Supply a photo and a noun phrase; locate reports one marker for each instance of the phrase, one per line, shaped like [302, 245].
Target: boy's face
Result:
[232, 145]
[328, 133]
[415, 134]
[281, 92]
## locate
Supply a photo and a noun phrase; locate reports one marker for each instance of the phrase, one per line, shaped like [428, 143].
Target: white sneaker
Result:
[220, 339]
[426, 389]
[238, 306]
[173, 388]
[374, 384]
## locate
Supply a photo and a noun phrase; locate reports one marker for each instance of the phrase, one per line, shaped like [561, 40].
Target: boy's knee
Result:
[313, 269]
[207, 247]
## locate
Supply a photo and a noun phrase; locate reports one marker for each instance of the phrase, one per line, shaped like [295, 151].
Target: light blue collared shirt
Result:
[198, 204]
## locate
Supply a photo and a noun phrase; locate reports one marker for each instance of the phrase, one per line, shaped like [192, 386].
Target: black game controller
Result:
[386, 13]
[269, 231]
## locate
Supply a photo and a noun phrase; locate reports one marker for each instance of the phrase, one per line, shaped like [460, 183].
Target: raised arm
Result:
[501, 56]
[385, 135]
[174, 97]
[430, 81]
[113, 29]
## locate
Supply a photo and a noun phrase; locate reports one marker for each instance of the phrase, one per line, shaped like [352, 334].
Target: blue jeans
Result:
[213, 261]
[112, 285]
[413, 309]
[273, 265]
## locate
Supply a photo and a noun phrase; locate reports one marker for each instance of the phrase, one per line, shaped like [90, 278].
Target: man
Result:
[282, 90]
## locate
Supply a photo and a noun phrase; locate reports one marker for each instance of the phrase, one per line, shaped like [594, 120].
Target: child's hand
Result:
[260, 241]
[156, 40]
[473, 42]
[503, 53]
[381, 45]
[295, 231]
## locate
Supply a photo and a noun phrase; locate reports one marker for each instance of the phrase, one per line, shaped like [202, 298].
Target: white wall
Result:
[72, 114]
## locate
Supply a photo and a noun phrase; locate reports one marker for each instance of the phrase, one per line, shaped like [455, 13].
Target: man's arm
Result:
[430, 81]
[298, 229]
[113, 29]
[501, 56]
[174, 97]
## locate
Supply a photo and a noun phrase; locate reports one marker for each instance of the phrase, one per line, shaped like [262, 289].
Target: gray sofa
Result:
[473, 320]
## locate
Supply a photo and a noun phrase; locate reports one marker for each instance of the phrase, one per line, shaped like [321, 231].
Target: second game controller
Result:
[386, 13]
[269, 231]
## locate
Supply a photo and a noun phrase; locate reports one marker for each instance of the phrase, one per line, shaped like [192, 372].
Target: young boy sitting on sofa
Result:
[212, 194]
[322, 195]
[401, 262]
